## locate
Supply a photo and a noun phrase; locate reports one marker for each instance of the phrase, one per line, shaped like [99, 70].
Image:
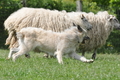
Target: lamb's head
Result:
[114, 22]
[86, 25]
[82, 34]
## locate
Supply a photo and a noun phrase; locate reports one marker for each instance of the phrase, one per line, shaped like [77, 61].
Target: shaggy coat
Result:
[103, 24]
[44, 18]
[54, 43]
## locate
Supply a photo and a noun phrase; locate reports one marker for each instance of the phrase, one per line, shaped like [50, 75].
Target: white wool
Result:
[101, 30]
[54, 43]
[44, 18]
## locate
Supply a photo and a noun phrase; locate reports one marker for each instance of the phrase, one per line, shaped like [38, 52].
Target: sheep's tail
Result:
[8, 40]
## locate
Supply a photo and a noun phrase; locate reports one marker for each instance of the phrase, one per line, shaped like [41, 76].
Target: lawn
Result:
[105, 67]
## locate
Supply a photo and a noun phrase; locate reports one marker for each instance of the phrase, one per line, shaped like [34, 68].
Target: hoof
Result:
[89, 61]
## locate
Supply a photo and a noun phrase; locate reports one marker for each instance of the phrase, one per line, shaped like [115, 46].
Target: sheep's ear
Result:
[110, 19]
[74, 24]
[79, 28]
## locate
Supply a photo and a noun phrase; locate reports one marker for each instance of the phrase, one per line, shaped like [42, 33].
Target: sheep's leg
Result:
[59, 56]
[81, 58]
[46, 55]
[83, 53]
[12, 50]
[94, 54]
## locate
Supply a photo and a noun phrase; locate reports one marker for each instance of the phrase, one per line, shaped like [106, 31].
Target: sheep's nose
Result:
[89, 29]
[86, 38]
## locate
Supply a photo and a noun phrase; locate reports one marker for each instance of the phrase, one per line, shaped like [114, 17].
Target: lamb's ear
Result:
[79, 28]
[74, 24]
[82, 16]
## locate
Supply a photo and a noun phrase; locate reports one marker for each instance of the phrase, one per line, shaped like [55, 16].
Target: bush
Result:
[6, 8]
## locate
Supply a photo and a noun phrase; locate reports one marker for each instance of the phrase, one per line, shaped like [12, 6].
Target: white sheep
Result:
[54, 43]
[103, 23]
[44, 18]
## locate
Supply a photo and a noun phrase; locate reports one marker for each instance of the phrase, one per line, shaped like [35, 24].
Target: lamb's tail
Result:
[20, 35]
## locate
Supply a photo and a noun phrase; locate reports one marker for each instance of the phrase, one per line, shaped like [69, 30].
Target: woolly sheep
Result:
[103, 23]
[44, 18]
[54, 43]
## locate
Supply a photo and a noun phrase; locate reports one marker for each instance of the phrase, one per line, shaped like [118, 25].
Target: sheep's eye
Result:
[116, 20]
[82, 18]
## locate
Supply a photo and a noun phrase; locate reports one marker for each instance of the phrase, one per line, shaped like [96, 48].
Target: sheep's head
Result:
[88, 25]
[114, 22]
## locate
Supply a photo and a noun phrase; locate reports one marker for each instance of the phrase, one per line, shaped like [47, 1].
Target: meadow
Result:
[105, 67]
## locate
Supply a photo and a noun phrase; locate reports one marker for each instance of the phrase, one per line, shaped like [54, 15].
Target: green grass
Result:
[105, 67]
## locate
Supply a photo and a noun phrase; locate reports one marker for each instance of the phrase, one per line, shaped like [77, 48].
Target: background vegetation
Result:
[106, 66]
[112, 6]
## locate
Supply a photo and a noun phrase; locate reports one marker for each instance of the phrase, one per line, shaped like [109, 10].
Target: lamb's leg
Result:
[12, 50]
[81, 58]
[19, 53]
[94, 54]
[59, 56]
[27, 55]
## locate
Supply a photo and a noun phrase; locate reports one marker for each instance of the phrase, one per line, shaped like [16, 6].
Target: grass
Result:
[105, 67]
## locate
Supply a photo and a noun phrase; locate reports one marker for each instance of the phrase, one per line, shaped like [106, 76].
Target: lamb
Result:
[54, 43]
[43, 18]
[103, 23]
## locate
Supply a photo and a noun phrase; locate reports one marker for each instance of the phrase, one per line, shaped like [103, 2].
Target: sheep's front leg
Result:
[81, 58]
[59, 56]
[12, 50]
[94, 54]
